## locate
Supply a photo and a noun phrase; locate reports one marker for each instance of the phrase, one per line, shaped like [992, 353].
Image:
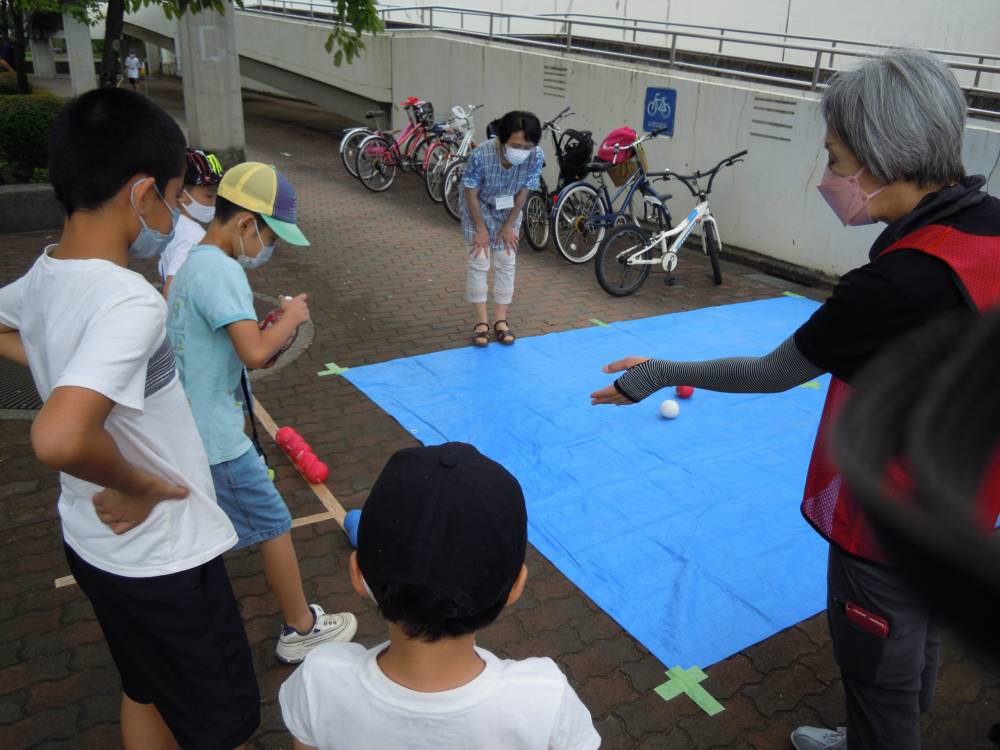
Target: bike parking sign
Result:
[661, 104]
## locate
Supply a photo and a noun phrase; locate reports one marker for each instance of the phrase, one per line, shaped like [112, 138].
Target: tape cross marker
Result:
[332, 368]
[812, 385]
[686, 681]
[599, 322]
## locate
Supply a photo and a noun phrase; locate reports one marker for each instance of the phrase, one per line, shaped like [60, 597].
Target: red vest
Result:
[826, 504]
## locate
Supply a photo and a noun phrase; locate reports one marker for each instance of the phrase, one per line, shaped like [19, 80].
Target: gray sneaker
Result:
[817, 738]
[293, 646]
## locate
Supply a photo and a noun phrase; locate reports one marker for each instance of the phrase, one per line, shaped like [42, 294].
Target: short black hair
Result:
[514, 121]
[104, 137]
[428, 615]
[225, 210]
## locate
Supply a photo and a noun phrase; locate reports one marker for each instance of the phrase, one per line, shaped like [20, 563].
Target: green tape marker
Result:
[686, 681]
[792, 294]
[812, 385]
[332, 368]
[599, 322]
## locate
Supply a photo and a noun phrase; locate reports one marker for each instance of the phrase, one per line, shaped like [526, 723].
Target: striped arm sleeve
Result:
[782, 369]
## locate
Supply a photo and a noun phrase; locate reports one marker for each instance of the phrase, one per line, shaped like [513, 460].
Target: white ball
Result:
[669, 409]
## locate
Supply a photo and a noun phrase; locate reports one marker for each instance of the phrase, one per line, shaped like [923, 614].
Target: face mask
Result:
[846, 197]
[151, 243]
[199, 211]
[258, 260]
[516, 155]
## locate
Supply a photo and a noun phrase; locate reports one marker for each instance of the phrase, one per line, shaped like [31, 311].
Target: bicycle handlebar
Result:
[638, 141]
[557, 118]
[690, 181]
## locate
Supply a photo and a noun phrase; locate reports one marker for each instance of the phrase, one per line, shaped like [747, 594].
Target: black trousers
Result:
[888, 682]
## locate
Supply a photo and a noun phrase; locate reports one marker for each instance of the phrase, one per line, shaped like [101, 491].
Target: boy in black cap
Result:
[441, 548]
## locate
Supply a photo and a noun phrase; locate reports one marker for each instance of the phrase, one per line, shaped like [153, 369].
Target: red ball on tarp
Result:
[685, 391]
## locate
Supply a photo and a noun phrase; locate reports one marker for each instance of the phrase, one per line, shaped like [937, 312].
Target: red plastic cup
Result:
[317, 472]
[284, 435]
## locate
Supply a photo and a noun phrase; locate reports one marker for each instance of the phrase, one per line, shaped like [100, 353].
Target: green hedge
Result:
[25, 126]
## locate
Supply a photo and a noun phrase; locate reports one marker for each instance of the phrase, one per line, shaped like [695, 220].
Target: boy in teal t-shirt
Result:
[213, 328]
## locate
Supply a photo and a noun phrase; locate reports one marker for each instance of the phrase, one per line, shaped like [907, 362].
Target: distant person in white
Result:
[437, 582]
[132, 66]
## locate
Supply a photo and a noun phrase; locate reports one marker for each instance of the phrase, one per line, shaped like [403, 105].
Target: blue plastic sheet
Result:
[685, 531]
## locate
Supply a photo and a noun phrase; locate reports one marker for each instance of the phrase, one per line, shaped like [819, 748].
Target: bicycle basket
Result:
[424, 113]
[619, 137]
[577, 149]
[621, 171]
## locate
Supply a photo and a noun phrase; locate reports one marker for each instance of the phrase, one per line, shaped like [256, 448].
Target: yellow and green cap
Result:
[264, 190]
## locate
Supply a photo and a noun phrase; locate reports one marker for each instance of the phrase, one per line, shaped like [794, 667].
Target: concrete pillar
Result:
[80, 51]
[42, 59]
[210, 66]
[153, 61]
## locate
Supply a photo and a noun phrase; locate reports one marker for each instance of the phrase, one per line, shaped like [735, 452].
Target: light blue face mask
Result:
[266, 251]
[151, 243]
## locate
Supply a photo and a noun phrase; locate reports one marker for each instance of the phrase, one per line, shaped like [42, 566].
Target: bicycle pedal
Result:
[670, 280]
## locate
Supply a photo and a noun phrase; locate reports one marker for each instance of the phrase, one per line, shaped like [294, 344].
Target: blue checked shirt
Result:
[485, 174]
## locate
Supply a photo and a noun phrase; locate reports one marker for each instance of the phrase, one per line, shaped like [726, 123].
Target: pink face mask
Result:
[846, 197]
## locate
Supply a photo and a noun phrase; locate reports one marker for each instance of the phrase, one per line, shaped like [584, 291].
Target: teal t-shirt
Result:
[209, 292]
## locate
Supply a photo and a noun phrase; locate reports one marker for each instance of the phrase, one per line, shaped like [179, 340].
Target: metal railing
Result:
[576, 32]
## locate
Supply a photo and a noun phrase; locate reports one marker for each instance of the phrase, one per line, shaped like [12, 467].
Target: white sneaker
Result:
[293, 646]
[817, 738]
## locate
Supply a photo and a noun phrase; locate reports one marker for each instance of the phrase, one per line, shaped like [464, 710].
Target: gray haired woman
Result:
[894, 139]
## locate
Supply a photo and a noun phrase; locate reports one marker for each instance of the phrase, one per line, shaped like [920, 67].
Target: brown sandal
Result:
[505, 337]
[481, 338]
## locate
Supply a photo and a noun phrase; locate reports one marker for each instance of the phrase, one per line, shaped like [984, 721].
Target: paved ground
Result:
[385, 276]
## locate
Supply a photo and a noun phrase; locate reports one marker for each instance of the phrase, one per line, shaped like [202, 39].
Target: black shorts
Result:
[179, 643]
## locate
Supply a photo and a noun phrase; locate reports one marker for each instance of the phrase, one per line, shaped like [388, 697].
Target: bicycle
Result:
[573, 149]
[379, 156]
[352, 137]
[441, 154]
[583, 212]
[624, 258]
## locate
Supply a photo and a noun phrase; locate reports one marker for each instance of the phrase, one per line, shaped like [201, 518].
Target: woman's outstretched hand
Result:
[610, 394]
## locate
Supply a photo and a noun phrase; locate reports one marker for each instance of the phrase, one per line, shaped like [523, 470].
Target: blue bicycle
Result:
[584, 212]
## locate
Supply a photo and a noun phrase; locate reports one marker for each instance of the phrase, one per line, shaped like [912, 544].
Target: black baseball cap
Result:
[446, 518]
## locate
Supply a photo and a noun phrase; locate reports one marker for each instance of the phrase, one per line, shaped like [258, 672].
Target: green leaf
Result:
[339, 57]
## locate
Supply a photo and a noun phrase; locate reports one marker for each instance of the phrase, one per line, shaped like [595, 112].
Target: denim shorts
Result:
[250, 499]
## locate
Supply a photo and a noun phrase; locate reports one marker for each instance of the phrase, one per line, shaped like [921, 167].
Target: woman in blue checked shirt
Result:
[497, 179]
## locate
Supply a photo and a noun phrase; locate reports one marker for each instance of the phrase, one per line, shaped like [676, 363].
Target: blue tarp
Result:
[688, 531]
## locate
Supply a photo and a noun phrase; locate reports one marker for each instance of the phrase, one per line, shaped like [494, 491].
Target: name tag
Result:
[504, 201]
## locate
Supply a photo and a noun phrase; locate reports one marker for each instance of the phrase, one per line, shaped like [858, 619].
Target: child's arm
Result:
[166, 285]
[69, 435]
[11, 347]
[255, 347]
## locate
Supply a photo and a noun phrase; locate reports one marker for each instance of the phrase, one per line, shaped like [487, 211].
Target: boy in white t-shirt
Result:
[197, 204]
[132, 66]
[143, 532]
[441, 547]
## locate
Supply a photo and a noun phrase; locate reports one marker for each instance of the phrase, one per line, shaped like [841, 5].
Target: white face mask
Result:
[516, 155]
[199, 211]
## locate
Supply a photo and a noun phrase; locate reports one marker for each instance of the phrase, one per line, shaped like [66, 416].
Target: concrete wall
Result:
[769, 204]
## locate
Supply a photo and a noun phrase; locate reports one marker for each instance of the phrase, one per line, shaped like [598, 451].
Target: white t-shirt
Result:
[339, 699]
[188, 234]
[96, 325]
[132, 64]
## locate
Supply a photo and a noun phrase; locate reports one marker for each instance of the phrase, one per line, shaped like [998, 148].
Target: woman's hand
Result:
[481, 243]
[610, 394]
[508, 237]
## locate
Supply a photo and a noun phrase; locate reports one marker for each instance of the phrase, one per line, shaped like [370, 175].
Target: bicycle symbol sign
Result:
[661, 105]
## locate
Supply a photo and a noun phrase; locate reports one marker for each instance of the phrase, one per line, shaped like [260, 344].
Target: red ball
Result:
[284, 435]
[317, 472]
[294, 445]
[685, 391]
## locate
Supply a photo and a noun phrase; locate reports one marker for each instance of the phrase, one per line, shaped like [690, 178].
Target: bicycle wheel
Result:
[577, 239]
[613, 274]
[453, 189]
[437, 161]
[376, 163]
[349, 150]
[418, 154]
[713, 247]
[536, 221]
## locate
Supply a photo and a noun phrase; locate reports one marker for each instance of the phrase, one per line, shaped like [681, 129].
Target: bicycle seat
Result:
[599, 166]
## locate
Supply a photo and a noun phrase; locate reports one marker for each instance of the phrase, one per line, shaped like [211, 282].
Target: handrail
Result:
[574, 29]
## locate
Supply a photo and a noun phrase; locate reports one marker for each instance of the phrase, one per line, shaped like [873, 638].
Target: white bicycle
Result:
[445, 151]
[626, 254]
[352, 137]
